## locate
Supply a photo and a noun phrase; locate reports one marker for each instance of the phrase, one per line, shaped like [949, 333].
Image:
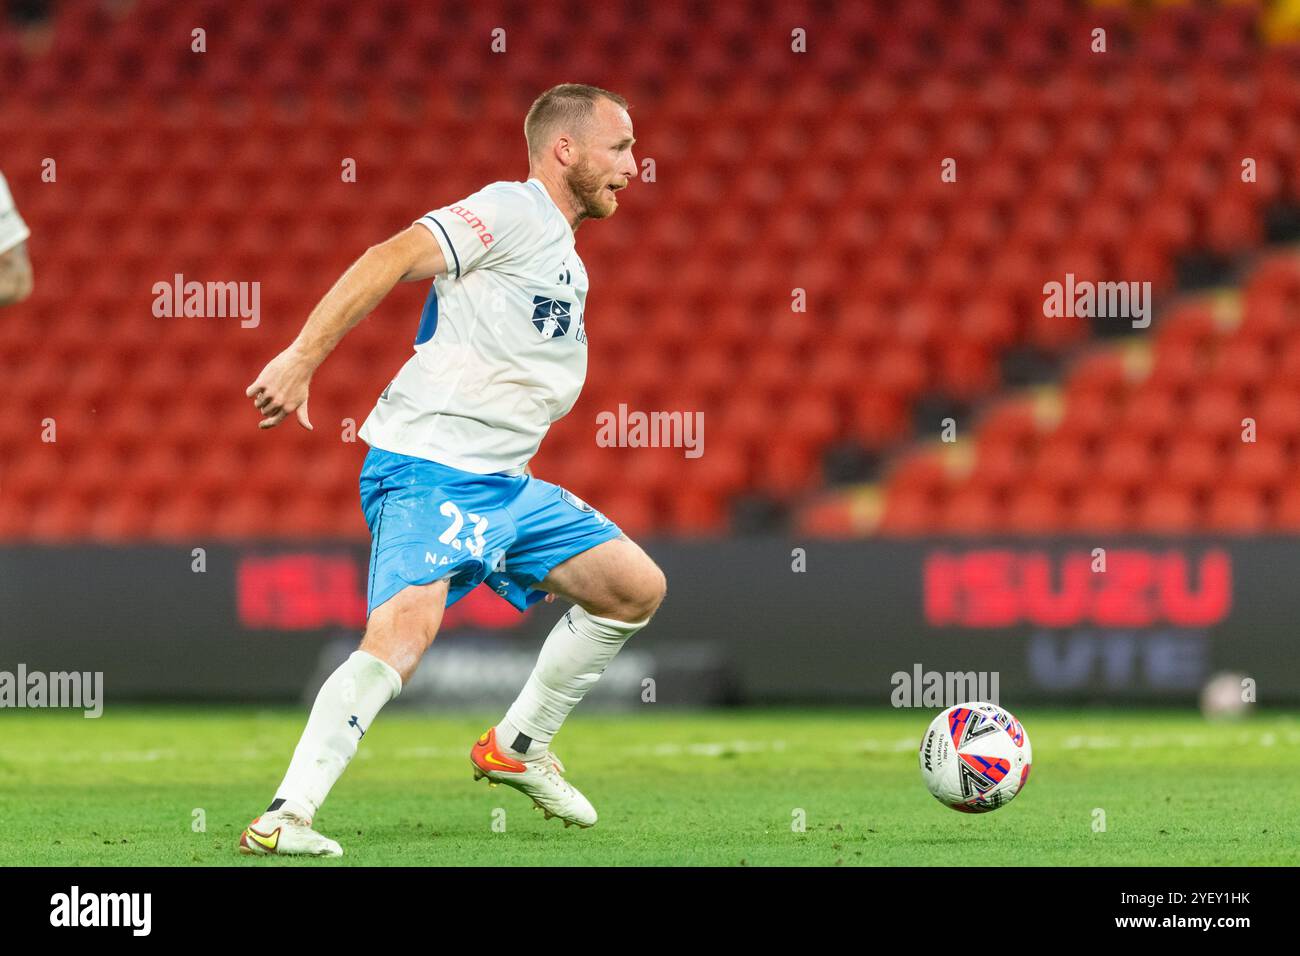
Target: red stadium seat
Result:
[1034, 511]
[972, 509]
[1234, 510]
[1166, 510]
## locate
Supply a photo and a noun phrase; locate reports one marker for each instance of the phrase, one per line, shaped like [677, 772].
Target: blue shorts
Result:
[429, 521]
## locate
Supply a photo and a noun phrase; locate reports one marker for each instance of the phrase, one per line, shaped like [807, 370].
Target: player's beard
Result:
[587, 188]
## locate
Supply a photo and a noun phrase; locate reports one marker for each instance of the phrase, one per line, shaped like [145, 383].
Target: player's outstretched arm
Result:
[281, 388]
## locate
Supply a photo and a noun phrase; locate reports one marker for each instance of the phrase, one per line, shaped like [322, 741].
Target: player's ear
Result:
[565, 151]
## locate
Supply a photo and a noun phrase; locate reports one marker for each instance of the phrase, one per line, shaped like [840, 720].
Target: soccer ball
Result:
[975, 757]
[1222, 697]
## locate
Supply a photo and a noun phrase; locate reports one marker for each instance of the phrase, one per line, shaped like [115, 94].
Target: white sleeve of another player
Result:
[480, 229]
[12, 228]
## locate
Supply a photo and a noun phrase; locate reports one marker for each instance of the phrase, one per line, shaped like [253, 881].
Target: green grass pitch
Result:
[672, 788]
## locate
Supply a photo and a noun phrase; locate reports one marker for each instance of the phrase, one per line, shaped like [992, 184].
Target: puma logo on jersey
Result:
[474, 222]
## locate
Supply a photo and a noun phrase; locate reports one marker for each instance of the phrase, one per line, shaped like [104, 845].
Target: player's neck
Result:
[562, 196]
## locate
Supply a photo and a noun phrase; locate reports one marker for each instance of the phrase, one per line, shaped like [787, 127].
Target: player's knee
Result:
[631, 597]
[648, 593]
[660, 589]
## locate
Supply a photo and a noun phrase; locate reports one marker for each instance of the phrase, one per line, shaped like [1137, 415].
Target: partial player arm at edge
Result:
[281, 388]
[15, 275]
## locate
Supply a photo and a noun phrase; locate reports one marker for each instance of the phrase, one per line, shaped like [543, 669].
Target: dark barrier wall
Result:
[745, 620]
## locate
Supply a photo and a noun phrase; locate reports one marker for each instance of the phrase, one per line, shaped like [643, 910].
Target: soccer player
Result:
[500, 354]
[15, 267]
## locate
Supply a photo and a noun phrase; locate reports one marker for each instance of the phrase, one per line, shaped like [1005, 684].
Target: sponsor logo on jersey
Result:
[551, 317]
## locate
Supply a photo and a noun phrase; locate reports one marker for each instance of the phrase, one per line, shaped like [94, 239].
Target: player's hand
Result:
[281, 389]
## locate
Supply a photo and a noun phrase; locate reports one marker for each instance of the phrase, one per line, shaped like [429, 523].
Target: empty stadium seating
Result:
[774, 171]
[1194, 429]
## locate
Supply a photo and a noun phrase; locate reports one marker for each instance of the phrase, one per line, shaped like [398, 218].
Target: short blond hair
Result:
[565, 107]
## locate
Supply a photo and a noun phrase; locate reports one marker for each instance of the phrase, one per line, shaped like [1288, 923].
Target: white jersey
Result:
[501, 350]
[12, 228]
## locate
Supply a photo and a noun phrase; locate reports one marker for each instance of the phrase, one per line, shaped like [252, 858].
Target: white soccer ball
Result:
[1223, 697]
[975, 757]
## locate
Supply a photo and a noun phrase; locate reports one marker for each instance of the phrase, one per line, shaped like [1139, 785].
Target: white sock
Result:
[345, 707]
[575, 654]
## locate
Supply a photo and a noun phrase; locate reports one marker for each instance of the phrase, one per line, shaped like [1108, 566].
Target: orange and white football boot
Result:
[541, 778]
